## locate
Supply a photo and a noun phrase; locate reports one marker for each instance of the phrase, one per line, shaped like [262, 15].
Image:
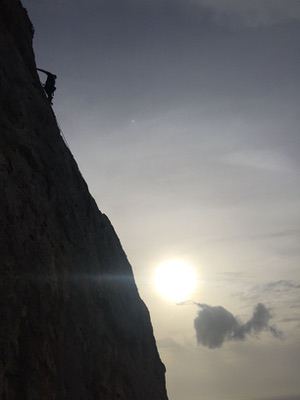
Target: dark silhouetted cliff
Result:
[72, 323]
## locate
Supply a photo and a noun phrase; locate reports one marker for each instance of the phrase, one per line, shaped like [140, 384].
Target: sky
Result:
[183, 116]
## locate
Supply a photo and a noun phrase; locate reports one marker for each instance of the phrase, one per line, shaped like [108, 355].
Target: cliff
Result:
[72, 323]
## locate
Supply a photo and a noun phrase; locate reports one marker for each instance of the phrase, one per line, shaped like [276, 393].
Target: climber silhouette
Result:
[49, 85]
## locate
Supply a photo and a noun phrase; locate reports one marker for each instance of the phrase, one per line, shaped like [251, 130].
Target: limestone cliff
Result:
[72, 323]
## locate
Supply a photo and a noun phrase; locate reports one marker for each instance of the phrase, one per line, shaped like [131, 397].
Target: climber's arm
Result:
[45, 72]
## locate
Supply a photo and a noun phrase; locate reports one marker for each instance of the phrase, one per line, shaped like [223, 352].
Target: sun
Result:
[175, 280]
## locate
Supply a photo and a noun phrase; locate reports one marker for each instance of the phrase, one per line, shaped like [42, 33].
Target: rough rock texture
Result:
[72, 323]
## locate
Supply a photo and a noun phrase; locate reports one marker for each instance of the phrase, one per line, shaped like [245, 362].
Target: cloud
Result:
[253, 13]
[281, 285]
[288, 290]
[282, 294]
[168, 343]
[216, 325]
[266, 160]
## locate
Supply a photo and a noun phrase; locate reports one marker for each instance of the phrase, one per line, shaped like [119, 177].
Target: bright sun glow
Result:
[175, 280]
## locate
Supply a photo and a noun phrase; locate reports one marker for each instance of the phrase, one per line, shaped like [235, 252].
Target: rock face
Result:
[72, 323]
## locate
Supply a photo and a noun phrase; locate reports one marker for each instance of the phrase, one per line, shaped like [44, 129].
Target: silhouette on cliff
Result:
[49, 85]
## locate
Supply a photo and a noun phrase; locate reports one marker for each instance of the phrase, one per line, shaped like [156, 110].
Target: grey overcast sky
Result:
[183, 116]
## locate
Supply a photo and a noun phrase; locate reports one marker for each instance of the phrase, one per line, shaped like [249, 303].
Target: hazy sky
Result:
[184, 118]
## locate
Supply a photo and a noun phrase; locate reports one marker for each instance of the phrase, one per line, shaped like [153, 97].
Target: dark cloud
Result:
[216, 325]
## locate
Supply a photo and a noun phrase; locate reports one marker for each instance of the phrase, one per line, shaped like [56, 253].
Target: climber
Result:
[49, 85]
